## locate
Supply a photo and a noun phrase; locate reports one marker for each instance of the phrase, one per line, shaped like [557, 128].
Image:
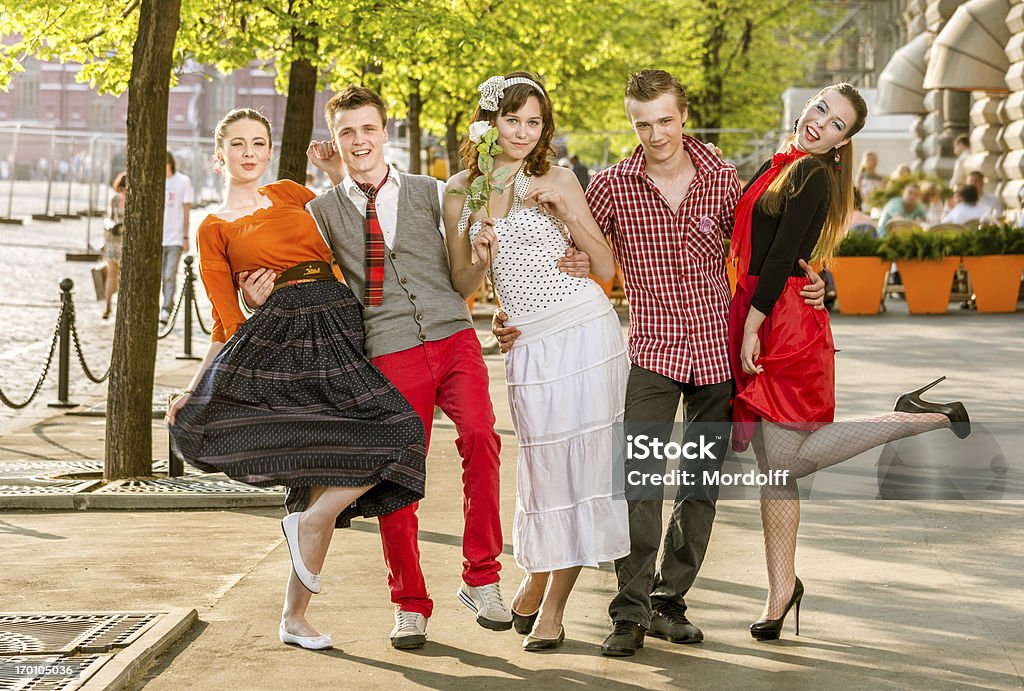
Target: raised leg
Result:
[316, 528]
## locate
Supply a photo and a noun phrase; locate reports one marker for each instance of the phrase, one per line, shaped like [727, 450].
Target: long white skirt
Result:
[567, 385]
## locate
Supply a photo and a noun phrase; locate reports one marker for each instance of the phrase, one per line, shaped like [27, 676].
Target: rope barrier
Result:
[65, 334]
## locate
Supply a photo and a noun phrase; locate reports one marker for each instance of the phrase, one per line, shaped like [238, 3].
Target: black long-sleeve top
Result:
[777, 243]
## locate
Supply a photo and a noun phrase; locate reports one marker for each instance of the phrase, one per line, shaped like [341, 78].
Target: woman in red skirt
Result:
[796, 209]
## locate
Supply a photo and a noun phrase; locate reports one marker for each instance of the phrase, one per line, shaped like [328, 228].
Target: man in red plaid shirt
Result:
[666, 210]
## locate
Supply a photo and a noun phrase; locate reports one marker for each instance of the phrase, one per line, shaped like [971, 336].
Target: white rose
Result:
[477, 130]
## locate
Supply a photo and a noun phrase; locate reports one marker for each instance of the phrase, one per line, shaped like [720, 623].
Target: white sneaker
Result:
[487, 603]
[410, 630]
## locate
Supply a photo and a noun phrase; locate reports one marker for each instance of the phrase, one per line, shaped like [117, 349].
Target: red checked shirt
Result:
[673, 263]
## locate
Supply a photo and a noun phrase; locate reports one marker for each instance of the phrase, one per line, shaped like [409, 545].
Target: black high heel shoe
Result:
[959, 421]
[771, 629]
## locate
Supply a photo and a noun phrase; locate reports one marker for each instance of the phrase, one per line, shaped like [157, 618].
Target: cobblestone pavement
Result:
[35, 264]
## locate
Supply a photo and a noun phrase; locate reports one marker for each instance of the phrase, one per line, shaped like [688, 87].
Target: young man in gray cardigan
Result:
[419, 333]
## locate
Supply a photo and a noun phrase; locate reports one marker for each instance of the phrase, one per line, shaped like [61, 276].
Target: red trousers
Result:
[451, 374]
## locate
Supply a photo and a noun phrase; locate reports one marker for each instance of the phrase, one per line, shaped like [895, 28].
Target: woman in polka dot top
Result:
[567, 371]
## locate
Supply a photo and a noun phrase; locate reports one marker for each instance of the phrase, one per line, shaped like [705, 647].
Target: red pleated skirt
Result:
[797, 387]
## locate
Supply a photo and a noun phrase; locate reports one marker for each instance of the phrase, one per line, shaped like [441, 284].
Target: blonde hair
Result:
[839, 173]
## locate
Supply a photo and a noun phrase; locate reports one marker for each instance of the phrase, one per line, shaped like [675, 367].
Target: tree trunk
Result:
[714, 93]
[298, 114]
[413, 123]
[129, 439]
[453, 139]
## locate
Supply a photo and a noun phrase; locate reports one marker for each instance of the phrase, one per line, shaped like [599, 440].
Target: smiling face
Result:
[359, 134]
[519, 132]
[824, 124]
[246, 150]
[658, 125]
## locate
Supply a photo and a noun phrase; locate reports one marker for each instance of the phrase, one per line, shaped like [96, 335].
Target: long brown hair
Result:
[839, 174]
[538, 162]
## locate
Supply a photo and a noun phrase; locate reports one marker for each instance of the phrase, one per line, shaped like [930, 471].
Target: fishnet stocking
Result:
[802, 453]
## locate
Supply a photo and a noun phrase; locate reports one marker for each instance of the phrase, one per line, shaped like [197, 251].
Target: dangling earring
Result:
[795, 123]
[838, 164]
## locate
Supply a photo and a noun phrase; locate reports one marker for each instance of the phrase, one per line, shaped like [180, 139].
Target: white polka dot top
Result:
[530, 242]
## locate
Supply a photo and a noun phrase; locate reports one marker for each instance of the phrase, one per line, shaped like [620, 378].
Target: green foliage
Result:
[922, 245]
[859, 245]
[1003, 238]
[734, 56]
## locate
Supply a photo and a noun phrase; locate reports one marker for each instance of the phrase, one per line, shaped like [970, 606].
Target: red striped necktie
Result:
[373, 291]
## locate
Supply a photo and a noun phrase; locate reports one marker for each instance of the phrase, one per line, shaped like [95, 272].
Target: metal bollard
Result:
[65, 346]
[187, 305]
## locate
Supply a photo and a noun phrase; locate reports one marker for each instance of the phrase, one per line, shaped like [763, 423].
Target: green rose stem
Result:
[478, 193]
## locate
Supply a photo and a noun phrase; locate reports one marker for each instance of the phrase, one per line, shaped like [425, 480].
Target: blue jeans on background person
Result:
[169, 277]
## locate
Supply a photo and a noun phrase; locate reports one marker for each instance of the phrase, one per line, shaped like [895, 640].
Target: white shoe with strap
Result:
[321, 642]
[290, 528]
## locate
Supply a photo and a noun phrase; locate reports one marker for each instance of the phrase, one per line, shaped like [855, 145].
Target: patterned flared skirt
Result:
[292, 400]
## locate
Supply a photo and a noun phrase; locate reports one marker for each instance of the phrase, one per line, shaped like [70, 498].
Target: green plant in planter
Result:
[922, 246]
[994, 239]
[859, 245]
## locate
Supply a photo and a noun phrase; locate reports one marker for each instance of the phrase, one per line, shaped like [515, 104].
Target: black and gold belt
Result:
[304, 273]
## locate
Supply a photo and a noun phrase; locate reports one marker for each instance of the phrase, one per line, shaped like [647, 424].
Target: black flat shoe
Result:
[523, 623]
[911, 402]
[625, 639]
[771, 629]
[534, 643]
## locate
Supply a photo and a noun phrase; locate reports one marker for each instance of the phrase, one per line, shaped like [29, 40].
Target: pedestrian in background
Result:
[868, 178]
[177, 205]
[581, 172]
[113, 232]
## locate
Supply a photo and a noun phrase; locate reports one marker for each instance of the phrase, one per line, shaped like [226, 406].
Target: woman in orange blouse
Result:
[287, 397]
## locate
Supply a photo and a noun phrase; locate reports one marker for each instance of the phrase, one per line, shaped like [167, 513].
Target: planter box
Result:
[927, 284]
[995, 280]
[860, 282]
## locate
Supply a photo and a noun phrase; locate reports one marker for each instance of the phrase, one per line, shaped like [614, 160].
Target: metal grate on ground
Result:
[71, 650]
[70, 633]
[61, 651]
[185, 485]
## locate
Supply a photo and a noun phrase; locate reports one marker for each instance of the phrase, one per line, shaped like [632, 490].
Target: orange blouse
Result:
[276, 238]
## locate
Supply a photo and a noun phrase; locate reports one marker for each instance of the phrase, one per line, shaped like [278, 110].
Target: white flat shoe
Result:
[322, 642]
[290, 527]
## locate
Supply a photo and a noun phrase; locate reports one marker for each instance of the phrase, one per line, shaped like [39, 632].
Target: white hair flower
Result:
[493, 89]
[477, 130]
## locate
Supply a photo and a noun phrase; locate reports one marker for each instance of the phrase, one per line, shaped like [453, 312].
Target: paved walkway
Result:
[900, 594]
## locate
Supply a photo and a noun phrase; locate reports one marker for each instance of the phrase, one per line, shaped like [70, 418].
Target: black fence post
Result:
[187, 302]
[65, 346]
